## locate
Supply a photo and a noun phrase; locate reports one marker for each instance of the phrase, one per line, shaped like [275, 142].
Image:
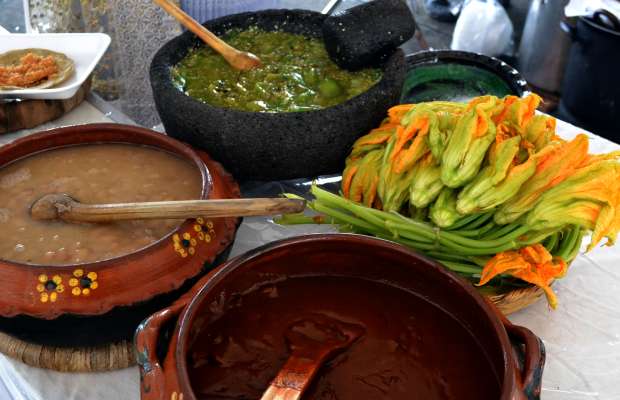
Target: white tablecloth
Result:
[582, 336]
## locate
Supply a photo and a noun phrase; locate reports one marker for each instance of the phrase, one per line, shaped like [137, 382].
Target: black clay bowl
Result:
[270, 146]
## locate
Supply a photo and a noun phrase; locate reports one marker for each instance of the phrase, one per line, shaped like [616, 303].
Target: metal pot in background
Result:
[544, 47]
[591, 86]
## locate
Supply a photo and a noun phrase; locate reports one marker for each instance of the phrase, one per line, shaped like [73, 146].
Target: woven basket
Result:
[517, 299]
[67, 359]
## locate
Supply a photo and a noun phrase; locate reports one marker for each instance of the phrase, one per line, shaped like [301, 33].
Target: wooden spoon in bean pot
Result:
[241, 60]
[64, 207]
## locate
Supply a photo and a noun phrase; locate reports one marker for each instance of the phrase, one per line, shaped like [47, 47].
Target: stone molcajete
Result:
[269, 146]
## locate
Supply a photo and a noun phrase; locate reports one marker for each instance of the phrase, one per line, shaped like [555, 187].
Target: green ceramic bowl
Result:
[458, 76]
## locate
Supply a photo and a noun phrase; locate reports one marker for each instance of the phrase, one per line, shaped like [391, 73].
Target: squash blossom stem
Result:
[477, 233]
[389, 221]
[334, 200]
[478, 222]
[464, 221]
[576, 246]
[551, 242]
[476, 243]
[477, 251]
[485, 229]
[569, 243]
[565, 242]
[480, 261]
[440, 255]
[471, 234]
[503, 230]
[459, 267]
[409, 243]
[347, 218]
[536, 237]
[410, 231]
[296, 219]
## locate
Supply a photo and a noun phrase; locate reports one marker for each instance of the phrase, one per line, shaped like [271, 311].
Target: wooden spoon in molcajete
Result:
[312, 341]
[66, 208]
[241, 60]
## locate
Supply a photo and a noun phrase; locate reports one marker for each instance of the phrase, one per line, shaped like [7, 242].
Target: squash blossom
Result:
[483, 183]
[397, 113]
[533, 264]
[361, 177]
[375, 140]
[540, 131]
[426, 182]
[498, 181]
[469, 142]
[517, 113]
[590, 198]
[443, 211]
[554, 163]
[394, 195]
[447, 115]
[411, 139]
[393, 187]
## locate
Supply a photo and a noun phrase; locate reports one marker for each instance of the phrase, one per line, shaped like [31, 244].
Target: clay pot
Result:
[131, 279]
[516, 355]
[270, 146]
[452, 74]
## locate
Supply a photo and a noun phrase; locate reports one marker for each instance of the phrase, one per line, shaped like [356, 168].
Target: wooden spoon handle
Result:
[179, 209]
[191, 24]
[294, 377]
[237, 59]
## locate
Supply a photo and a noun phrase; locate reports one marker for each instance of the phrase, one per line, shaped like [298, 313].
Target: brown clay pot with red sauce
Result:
[427, 333]
[124, 281]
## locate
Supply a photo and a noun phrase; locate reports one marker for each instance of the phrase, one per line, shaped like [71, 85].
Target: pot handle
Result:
[609, 20]
[530, 353]
[146, 339]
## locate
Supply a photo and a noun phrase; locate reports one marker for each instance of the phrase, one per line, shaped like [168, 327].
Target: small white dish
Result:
[85, 49]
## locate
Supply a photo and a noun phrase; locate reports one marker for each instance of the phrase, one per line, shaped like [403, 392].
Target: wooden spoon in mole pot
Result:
[66, 208]
[241, 60]
[312, 340]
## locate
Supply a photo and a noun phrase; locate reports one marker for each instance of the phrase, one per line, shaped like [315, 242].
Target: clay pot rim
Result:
[159, 74]
[187, 316]
[180, 149]
[507, 73]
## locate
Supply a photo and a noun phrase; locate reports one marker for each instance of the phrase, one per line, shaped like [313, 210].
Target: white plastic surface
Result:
[582, 336]
[85, 49]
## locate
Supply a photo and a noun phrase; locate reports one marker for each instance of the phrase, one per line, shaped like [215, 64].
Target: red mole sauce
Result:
[411, 349]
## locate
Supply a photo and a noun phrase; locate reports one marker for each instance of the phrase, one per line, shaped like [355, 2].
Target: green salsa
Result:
[297, 74]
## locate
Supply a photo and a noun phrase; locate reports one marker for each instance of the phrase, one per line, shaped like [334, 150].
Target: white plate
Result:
[85, 49]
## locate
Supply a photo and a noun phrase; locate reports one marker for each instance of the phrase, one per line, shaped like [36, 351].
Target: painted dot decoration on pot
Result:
[83, 283]
[176, 396]
[49, 288]
[185, 244]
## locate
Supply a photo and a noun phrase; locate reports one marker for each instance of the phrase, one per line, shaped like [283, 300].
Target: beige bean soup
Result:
[98, 173]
